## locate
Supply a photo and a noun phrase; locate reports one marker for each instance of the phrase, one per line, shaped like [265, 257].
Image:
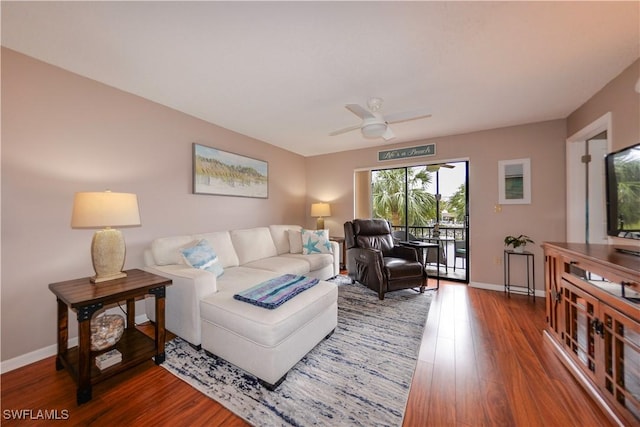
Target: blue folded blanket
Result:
[275, 292]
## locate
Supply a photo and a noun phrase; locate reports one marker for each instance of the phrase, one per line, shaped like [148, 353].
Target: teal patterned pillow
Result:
[316, 242]
[202, 256]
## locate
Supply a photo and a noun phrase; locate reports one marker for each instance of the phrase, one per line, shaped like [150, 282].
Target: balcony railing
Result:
[449, 265]
[453, 231]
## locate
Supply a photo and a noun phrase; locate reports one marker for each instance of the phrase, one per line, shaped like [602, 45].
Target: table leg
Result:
[63, 333]
[159, 326]
[84, 361]
[505, 271]
[85, 314]
[533, 277]
[131, 313]
[425, 281]
[531, 290]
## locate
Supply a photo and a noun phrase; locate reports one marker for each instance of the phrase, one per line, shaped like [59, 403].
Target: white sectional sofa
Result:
[200, 308]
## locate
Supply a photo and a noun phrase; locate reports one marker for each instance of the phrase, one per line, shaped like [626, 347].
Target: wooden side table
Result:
[85, 298]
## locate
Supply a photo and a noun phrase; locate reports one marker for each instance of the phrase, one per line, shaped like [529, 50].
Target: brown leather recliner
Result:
[374, 260]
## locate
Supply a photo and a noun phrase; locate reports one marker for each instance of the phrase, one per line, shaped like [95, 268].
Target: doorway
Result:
[428, 203]
[586, 150]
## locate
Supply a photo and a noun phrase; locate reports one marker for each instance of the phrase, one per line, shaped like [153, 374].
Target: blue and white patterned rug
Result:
[360, 376]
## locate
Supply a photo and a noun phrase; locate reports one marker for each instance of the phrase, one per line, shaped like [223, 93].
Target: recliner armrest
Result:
[370, 255]
[405, 252]
[369, 266]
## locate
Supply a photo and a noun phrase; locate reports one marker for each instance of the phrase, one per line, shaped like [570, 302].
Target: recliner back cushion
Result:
[373, 233]
[253, 244]
[382, 242]
[371, 227]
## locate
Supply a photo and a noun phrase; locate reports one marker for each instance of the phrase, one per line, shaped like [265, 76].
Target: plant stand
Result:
[530, 289]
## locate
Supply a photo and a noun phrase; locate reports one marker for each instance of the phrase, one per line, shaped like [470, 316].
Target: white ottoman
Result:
[266, 343]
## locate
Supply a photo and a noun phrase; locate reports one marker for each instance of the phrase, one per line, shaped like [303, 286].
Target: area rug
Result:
[360, 376]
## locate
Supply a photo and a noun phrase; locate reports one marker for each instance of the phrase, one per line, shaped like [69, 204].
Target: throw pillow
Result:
[316, 242]
[295, 241]
[202, 256]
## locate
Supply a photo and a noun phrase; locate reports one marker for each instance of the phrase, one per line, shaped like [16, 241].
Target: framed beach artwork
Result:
[514, 181]
[222, 173]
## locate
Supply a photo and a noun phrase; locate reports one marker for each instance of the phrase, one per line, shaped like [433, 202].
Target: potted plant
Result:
[518, 243]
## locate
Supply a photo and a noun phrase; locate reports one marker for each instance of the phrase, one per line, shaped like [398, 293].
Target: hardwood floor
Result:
[483, 362]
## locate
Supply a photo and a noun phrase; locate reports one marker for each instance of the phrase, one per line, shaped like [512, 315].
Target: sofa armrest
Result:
[182, 313]
[335, 247]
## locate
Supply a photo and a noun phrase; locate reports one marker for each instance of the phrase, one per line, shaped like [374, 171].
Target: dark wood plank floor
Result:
[483, 362]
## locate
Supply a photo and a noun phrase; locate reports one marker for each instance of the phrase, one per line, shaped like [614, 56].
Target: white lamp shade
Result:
[320, 209]
[105, 209]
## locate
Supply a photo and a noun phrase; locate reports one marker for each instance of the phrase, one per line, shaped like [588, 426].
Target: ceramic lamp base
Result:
[107, 255]
[320, 223]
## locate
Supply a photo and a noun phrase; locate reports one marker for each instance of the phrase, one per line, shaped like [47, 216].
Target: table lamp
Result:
[105, 210]
[320, 210]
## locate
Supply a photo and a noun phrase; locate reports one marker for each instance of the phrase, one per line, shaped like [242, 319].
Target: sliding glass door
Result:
[428, 203]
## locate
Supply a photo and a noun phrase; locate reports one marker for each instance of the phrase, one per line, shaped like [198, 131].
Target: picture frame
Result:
[222, 173]
[514, 181]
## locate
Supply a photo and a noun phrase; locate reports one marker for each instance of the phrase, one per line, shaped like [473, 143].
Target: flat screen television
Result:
[622, 170]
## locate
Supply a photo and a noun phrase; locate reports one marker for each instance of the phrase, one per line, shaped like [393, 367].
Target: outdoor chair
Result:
[460, 251]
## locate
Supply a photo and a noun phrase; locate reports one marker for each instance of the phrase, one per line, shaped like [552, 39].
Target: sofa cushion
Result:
[200, 255]
[316, 242]
[295, 241]
[315, 261]
[280, 235]
[166, 250]
[253, 244]
[221, 243]
[280, 264]
[265, 327]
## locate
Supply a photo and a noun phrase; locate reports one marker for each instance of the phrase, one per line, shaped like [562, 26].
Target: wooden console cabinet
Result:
[593, 322]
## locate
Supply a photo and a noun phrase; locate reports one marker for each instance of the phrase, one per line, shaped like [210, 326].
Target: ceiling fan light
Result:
[374, 130]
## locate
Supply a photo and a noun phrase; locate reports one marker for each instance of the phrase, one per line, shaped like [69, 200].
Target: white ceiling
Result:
[282, 72]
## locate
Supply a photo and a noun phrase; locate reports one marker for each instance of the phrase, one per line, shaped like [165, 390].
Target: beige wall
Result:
[620, 98]
[63, 133]
[543, 219]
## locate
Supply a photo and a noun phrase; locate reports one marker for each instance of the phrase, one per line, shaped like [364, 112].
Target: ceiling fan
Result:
[374, 124]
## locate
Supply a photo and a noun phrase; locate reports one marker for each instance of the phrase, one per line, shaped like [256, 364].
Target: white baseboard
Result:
[500, 288]
[43, 353]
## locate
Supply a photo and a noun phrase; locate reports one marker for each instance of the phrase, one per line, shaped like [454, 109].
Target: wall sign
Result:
[404, 153]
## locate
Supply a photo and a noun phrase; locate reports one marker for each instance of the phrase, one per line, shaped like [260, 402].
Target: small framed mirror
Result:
[514, 181]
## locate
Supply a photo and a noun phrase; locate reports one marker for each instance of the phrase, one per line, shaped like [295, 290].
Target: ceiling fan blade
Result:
[406, 116]
[435, 167]
[345, 130]
[360, 111]
[388, 134]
